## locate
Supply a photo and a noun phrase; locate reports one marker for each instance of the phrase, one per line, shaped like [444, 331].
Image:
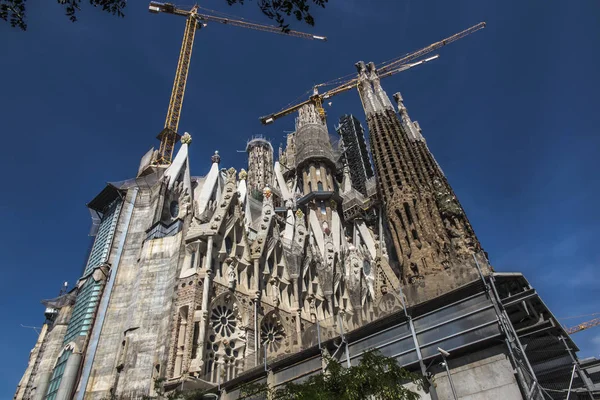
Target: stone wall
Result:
[482, 375]
[133, 341]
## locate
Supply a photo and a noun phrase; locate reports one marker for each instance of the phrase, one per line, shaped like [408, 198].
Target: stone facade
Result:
[201, 278]
[433, 240]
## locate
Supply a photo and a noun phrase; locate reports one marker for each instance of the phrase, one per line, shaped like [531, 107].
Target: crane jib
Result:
[390, 68]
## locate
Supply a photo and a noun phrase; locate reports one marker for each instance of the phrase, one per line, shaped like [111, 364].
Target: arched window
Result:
[323, 208]
[320, 186]
[174, 209]
[193, 260]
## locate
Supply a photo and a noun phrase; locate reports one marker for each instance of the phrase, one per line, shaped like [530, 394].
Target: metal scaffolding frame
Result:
[355, 153]
[501, 308]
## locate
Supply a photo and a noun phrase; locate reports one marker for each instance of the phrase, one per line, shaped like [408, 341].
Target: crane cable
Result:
[225, 15]
[303, 95]
[580, 316]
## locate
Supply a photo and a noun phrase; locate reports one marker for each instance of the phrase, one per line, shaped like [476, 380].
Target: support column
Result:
[205, 298]
[512, 339]
[430, 384]
[256, 332]
[298, 313]
[42, 385]
[578, 368]
[257, 277]
[256, 304]
[180, 343]
[69, 378]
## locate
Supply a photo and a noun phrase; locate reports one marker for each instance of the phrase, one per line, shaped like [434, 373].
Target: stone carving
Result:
[254, 264]
[231, 273]
[267, 192]
[216, 158]
[272, 334]
[231, 172]
[186, 139]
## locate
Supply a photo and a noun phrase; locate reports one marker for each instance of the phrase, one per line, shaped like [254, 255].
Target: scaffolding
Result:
[355, 153]
[500, 313]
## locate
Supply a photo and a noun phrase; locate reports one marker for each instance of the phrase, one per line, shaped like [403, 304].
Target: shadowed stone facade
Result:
[433, 240]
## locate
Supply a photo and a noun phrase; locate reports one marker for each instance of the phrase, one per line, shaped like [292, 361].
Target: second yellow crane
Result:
[168, 136]
[390, 68]
[584, 325]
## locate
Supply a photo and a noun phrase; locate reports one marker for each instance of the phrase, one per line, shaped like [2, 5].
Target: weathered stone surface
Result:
[482, 375]
[433, 240]
[207, 273]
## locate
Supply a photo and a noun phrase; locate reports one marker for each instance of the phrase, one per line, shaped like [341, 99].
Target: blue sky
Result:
[511, 114]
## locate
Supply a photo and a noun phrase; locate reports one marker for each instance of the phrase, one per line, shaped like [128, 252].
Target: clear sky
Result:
[511, 114]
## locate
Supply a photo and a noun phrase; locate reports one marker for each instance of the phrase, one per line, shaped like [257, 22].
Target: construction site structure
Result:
[195, 20]
[389, 68]
[210, 288]
[194, 284]
[355, 152]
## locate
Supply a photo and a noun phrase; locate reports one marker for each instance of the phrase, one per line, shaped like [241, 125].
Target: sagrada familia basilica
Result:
[198, 275]
[206, 277]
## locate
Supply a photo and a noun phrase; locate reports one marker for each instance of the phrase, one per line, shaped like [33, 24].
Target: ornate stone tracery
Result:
[273, 335]
[278, 256]
[226, 341]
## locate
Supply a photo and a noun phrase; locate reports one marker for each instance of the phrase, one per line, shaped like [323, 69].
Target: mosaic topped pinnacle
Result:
[267, 191]
[186, 138]
[216, 158]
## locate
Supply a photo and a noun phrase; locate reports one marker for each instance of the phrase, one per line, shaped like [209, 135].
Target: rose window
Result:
[272, 335]
[223, 321]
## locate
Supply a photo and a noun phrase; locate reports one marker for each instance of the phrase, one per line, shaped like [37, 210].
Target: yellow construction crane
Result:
[584, 325]
[384, 70]
[168, 136]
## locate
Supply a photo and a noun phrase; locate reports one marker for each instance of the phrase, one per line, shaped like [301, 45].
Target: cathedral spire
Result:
[369, 100]
[411, 127]
[380, 94]
[433, 239]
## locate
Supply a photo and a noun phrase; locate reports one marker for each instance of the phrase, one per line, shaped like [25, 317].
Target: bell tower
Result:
[433, 240]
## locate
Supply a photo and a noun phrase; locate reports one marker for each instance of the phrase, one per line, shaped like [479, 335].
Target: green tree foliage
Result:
[375, 377]
[14, 11]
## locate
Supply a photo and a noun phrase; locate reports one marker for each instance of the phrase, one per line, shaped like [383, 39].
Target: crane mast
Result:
[391, 68]
[168, 136]
[194, 20]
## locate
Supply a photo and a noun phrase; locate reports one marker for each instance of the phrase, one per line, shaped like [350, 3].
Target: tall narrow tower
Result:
[433, 239]
[356, 155]
[315, 162]
[260, 164]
